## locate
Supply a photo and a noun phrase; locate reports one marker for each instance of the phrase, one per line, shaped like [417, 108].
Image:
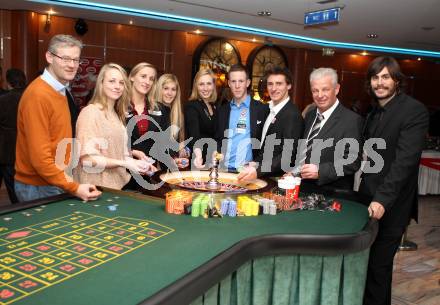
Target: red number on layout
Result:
[67, 268]
[6, 293]
[79, 248]
[27, 284]
[28, 267]
[115, 248]
[26, 253]
[85, 261]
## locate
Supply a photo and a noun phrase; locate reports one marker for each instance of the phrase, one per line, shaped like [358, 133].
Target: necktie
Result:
[307, 151]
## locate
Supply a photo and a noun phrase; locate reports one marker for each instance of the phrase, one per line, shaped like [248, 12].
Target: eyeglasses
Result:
[67, 60]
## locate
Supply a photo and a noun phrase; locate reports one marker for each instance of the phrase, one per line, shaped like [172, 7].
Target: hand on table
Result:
[376, 210]
[87, 192]
[248, 172]
[309, 171]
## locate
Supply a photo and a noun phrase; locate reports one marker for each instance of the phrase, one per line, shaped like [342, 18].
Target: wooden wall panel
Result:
[172, 51]
[179, 62]
[24, 42]
[129, 58]
[5, 52]
[138, 38]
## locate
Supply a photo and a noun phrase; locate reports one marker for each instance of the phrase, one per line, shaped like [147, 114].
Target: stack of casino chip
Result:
[232, 208]
[200, 206]
[266, 203]
[224, 206]
[247, 206]
[175, 201]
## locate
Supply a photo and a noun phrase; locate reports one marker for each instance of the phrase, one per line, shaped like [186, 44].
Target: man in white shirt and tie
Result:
[284, 122]
[323, 164]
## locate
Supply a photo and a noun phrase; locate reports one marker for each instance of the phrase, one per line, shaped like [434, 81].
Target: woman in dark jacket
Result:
[168, 94]
[200, 116]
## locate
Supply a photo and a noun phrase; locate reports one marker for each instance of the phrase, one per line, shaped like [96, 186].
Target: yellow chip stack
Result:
[247, 206]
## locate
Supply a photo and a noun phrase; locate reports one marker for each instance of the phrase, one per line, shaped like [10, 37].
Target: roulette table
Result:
[65, 251]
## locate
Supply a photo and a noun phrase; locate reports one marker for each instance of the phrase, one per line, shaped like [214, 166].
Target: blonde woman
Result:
[147, 113]
[200, 113]
[168, 93]
[100, 130]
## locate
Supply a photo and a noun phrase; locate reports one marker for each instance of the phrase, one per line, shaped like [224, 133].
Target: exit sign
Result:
[321, 17]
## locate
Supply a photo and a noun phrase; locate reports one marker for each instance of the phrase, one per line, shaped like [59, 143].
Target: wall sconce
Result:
[48, 22]
[48, 19]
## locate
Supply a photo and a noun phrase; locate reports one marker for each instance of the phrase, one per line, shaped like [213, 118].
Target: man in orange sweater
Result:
[46, 117]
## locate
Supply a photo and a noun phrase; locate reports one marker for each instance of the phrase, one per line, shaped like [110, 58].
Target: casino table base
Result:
[291, 280]
[65, 251]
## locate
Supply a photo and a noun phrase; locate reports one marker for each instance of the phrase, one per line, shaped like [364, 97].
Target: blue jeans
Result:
[27, 192]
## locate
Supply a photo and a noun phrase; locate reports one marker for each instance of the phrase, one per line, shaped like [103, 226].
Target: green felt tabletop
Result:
[170, 246]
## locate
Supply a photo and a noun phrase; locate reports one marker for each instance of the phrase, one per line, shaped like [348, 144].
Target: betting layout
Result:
[36, 257]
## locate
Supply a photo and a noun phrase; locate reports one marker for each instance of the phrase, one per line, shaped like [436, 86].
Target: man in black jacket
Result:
[398, 124]
[333, 136]
[240, 121]
[281, 131]
[16, 81]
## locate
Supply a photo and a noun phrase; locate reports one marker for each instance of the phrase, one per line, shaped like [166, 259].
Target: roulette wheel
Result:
[198, 181]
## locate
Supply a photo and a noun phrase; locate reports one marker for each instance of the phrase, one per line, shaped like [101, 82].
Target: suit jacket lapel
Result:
[253, 119]
[224, 121]
[309, 119]
[278, 117]
[331, 122]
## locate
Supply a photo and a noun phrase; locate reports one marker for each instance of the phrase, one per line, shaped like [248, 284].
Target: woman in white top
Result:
[100, 130]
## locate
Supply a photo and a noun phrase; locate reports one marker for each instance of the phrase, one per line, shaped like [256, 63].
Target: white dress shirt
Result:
[273, 112]
[326, 114]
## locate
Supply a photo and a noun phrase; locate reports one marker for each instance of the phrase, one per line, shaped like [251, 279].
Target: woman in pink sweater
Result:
[100, 130]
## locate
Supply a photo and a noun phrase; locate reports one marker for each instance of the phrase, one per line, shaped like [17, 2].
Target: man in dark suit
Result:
[281, 130]
[239, 121]
[335, 131]
[401, 123]
[16, 81]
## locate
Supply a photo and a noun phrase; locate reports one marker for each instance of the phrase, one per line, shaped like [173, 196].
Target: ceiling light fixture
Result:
[372, 35]
[254, 39]
[364, 53]
[419, 58]
[198, 31]
[262, 32]
[131, 22]
[264, 13]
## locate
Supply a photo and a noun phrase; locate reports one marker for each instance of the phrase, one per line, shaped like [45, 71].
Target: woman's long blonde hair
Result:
[176, 113]
[152, 105]
[195, 91]
[99, 98]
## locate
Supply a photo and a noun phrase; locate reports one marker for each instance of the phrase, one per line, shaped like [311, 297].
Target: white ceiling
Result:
[407, 24]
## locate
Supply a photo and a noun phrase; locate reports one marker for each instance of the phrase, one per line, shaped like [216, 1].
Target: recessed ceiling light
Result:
[254, 40]
[372, 35]
[419, 58]
[264, 13]
[197, 31]
[131, 21]
[364, 53]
